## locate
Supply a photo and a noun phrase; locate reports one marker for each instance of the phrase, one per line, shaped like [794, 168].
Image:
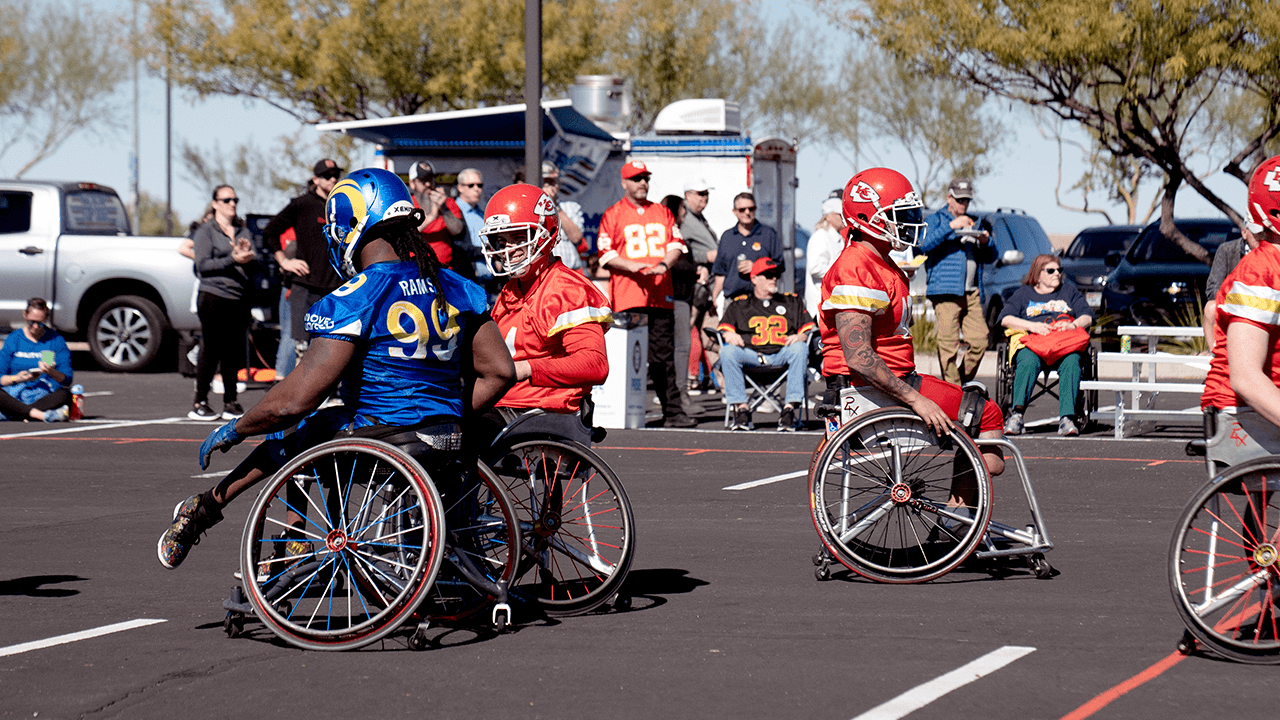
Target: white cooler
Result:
[620, 401]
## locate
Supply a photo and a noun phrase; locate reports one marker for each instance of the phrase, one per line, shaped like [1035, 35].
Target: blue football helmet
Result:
[359, 202]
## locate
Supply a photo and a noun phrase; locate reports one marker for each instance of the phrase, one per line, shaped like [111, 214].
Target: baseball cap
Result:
[837, 193]
[634, 169]
[764, 265]
[422, 171]
[549, 169]
[832, 205]
[698, 185]
[960, 189]
[326, 167]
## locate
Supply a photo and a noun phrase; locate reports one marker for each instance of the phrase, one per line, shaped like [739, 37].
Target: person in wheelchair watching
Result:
[408, 345]
[1245, 372]
[866, 314]
[553, 319]
[765, 329]
[1044, 304]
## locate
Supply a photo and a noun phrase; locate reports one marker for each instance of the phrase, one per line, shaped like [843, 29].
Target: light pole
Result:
[533, 92]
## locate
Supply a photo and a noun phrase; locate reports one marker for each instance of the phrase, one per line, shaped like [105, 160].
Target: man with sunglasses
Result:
[956, 250]
[470, 187]
[740, 246]
[765, 329]
[307, 275]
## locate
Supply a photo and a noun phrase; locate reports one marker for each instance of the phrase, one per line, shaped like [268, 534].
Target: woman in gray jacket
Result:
[226, 264]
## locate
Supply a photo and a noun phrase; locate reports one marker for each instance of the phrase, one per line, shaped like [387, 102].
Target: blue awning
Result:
[496, 130]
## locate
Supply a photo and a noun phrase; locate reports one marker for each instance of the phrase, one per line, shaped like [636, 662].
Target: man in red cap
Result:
[638, 243]
[765, 329]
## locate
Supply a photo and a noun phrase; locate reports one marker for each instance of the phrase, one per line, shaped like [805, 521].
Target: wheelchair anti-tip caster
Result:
[418, 640]
[822, 572]
[501, 616]
[1187, 645]
[1040, 566]
[233, 624]
[621, 603]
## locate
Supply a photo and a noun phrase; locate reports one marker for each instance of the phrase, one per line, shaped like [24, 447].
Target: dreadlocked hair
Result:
[409, 245]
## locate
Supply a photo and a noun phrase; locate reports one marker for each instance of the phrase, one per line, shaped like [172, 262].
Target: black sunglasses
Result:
[479, 185]
[229, 200]
[752, 208]
[1053, 271]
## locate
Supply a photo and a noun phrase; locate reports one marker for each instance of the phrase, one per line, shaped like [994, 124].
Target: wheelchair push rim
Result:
[372, 524]
[1224, 563]
[879, 497]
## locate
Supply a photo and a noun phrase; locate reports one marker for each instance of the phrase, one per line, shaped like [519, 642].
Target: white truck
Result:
[71, 244]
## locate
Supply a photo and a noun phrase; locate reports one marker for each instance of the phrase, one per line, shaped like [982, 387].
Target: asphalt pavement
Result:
[727, 619]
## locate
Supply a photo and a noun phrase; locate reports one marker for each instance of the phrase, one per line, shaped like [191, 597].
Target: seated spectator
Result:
[1043, 304]
[774, 324]
[35, 369]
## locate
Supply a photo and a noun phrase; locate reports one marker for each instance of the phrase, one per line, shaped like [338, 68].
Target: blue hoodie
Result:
[19, 354]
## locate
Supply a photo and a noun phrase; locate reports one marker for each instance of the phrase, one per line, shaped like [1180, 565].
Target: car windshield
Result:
[1153, 246]
[1098, 243]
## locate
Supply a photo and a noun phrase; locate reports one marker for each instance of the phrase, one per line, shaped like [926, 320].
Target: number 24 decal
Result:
[444, 327]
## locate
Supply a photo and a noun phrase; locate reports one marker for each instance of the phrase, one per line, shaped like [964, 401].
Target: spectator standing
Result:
[684, 275]
[740, 246]
[1225, 260]
[956, 252]
[765, 329]
[307, 275]
[470, 187]
[443, 227]
[570, 244]
[825, 245]
[35, 369]
[703, 244]
[639, 242]
[226, 263]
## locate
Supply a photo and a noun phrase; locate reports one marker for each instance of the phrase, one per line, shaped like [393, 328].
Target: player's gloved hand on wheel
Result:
[224, 438]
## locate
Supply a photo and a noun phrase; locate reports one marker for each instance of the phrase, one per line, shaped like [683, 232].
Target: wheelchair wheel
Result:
[576, 521]
[1224, 565]
[879, 497]
[480, 558]
[342, 545]
[1004, 378]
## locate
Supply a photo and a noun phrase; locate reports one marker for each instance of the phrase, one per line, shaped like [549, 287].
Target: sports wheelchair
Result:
[1046, 383]
[1224, 558]
[880, 494]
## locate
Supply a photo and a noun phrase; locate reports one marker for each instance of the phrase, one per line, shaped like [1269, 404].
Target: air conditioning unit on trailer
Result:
[701, 115]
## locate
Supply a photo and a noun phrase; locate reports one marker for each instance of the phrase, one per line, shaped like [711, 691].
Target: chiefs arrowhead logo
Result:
[1272, 180]
[863, 192]
[544, 207]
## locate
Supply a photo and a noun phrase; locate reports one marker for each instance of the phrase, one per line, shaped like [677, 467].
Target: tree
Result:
[1120, 180]
[328, 60]
[151, 217]
[59, 70]
[1138, 74]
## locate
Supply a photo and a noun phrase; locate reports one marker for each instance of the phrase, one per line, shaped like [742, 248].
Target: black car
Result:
[1157, 282]
[1084, 261]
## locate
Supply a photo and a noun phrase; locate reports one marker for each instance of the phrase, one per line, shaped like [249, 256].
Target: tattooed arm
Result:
[854, 330]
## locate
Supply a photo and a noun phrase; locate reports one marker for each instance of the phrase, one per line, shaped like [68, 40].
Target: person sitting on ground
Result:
[866, 316]
[765, 329]
[1244, 374]
[408, 344]
[552, 318]
[35, 369]
[1043, 304]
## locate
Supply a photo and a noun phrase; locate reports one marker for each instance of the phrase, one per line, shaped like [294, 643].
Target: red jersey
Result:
[534, 326]
[1250, 294]
[437, 236]
[643, 233]
[862, 280]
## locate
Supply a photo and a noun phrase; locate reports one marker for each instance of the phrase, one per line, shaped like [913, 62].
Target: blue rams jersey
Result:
[409, 332]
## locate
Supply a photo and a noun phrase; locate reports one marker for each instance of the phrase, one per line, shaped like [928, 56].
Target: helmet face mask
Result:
[360, 208]
[520, 226]
[882, 204]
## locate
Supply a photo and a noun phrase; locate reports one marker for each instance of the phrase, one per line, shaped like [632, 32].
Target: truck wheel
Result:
[125, 333]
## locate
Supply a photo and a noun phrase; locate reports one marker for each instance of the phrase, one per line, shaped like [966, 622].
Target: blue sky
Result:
[1023, 178]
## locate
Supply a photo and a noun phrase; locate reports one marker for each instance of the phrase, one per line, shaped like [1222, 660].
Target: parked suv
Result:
[1019, 239]
[1156, 282]
[1085, 260]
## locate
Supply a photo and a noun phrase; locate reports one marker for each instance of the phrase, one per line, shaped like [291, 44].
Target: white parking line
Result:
[87, 428]
[75, 636]
[767, 481]
[921, 695]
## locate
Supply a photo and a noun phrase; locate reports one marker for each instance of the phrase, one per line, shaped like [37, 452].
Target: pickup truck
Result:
[71, 244]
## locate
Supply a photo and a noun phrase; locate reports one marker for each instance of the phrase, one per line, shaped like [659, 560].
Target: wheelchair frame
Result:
[1088, 400]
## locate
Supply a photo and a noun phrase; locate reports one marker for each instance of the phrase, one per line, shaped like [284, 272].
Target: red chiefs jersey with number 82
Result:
[644, 233]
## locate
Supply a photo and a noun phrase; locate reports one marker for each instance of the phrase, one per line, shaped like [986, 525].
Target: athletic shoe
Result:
[742, 420]
[787, 420]
[1067, 427]
[57, 415]
[1014, 425]
[694, 387]
[217, 387]
[680, 421]
[202, 411]
[192, 517]
[232, 411]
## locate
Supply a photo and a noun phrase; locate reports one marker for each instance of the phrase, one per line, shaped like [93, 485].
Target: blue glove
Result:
[224, 438]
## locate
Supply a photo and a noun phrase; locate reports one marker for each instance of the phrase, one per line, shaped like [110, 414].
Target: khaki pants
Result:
[953, 315]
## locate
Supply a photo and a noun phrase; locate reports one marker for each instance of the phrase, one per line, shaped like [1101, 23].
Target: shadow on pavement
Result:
[32, 586]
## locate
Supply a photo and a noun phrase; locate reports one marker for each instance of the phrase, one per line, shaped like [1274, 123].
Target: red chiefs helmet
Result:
[881, 203]
[1264, 197]
[520, 226]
